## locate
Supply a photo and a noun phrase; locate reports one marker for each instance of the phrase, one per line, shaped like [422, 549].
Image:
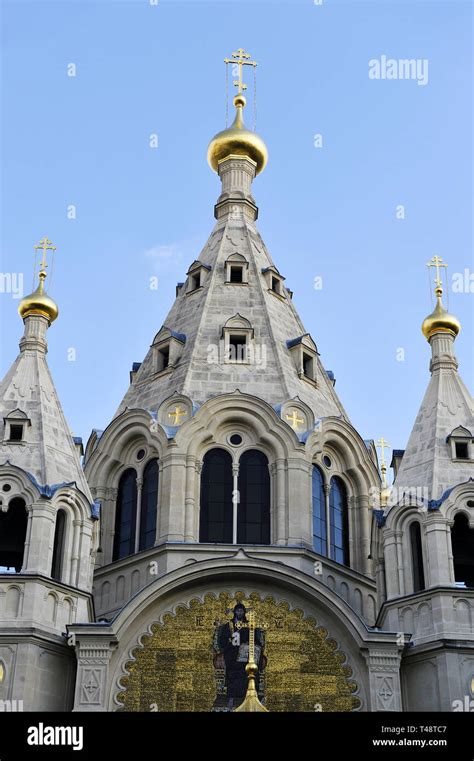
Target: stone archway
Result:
[175, 667]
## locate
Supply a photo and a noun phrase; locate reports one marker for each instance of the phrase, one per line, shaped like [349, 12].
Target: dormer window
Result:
[237, 270]
[16, 432]
[238, 336]
[197, 275]
[163, 358]
[308, 365]
[274, 281]
[16, 423]
[460, 441]
[236, 274]
[462, 450]
[168, 347]
[304, 353]
[237, 348]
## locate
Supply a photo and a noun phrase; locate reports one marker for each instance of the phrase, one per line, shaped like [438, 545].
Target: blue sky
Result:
[325, 212]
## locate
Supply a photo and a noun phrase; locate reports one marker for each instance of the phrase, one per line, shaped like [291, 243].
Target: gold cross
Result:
[437, 262]
[294, 420]
[240, 57]
[46, 245]
[177, 414]
[383, 445]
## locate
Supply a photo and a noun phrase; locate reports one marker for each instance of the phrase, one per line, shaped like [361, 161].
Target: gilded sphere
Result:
[440, 321]
[38, 302]
[239, 141]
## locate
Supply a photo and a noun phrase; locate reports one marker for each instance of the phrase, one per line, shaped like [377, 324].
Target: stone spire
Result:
[446, 414]
[35, 434]
[234, 295]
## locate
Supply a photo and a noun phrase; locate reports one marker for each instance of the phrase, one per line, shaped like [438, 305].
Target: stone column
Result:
[41, 538]
[173, 496]
[384, 679]
[279, 480]
[299, 502]
[437, 561]
[363, 524]
[390, 538]
[189, 501]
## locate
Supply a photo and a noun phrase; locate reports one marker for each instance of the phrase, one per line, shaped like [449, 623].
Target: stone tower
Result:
[47, 524]
[428, 533]
[231, 472]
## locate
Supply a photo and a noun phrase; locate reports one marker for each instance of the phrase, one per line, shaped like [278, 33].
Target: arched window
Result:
[58, 545]
[149, 506]
[216, 497]
[125, 515]
[417, 557]
[12, 535]
[319, 513]
[253, 512]
[338, 521]
[462, 540]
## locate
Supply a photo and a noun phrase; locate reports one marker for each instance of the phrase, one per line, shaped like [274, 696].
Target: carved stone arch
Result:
[355, 459]
[21, 485]
[131, 430]
[249, 411]
[457, 501]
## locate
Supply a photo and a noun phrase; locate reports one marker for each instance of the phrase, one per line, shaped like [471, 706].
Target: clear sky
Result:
[329, 211]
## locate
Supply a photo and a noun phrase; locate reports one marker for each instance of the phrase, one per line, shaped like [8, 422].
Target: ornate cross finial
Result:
[240, 57]
[294, 420]
[437, 262]
[46, 245]
[383, 445]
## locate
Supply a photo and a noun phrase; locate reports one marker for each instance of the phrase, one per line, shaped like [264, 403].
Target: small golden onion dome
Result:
[440, 321]
[38, 302]
[237, 140]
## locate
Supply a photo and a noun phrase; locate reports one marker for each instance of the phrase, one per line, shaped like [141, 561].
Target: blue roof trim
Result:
[136, 366]
[95, 510]
[179, 336]
[380, 517]
[77, 439]
[330, 374]
[295, 341]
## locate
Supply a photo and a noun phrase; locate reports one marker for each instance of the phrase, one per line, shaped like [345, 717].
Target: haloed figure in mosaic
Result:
[231, 645]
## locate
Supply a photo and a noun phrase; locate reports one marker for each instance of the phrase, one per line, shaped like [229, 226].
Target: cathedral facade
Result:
[231, 514]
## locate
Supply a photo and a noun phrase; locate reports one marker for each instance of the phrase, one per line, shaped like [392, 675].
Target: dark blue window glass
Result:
[149, 506]
[319, 513]
[339, 524]
[125, 515]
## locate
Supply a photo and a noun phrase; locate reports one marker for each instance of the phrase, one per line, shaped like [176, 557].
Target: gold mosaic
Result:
[174, 669]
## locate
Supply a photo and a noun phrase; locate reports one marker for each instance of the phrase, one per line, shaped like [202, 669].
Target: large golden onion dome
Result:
[237, 141]
[440, 321]
[39, 302]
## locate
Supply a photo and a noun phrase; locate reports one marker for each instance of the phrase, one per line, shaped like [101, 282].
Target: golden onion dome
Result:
[39, 302]
[238, 141]
[440, 321]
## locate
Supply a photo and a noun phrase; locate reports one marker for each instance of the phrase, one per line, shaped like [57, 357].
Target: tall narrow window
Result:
[149, 506]
[125, 515]
[319, 513]
[58, 546]
[216, 497]
[462, 539]
[12, 535]
[417, 557]
[253, 525]
[338, 521]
